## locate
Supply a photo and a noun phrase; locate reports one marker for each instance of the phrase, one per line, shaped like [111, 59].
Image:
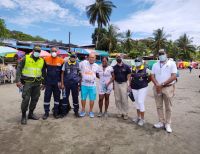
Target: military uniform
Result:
[30, 73]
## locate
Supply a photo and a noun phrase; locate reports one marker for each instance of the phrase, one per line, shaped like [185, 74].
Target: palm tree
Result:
[110, 37]
[99, 13]
[159, 40]
[128, 42]
[185, 44]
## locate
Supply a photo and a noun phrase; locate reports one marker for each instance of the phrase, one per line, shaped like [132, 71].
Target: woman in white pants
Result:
[139, 80]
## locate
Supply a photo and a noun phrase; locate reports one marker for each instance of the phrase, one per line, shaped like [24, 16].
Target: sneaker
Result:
[136, 120]
[100, 114]
[119, 115]
[91, 114]
[82, 114]
[159, 125]
[168, 128]
[141, 122]
[105, 114]
[125, 116]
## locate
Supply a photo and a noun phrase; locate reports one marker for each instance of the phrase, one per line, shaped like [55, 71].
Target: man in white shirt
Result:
[164, 76]
[88, 83]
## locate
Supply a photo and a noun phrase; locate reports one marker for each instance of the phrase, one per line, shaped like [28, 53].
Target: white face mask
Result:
[36, 54]
[54, 54]
[138, 64]
[163, 58]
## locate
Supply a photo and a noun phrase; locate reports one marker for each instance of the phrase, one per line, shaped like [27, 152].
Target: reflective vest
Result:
[33, 68]
[139, 78]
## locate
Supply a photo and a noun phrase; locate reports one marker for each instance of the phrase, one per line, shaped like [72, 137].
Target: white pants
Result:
[140, 96]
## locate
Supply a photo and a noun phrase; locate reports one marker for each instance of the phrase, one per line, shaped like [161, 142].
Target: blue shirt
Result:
[121, 72]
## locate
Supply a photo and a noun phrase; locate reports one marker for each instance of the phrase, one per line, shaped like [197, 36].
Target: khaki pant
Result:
[121, 97]
[166, 96]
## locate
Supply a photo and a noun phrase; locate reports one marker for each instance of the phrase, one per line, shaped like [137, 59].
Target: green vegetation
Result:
[106, 37]
[5, 33]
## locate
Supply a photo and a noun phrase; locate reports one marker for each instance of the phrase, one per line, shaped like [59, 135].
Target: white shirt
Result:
[88, 72]
[105, 75]
[163, 72]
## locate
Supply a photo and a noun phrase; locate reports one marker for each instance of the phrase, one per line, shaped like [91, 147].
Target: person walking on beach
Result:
[88, 83]
[164, 77]
[121, 75]
[71, 82]
[52, 82]
[106, 77]
[139, 80]
[30, 75]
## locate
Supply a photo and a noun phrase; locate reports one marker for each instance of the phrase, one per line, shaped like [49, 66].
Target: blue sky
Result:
[53, 19]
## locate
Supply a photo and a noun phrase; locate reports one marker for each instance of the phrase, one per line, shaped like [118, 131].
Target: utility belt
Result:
[25, 79]
[121, 82]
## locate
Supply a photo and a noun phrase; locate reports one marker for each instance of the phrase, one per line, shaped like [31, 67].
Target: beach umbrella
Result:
[6, 50]
[20, 54]
[44, 53]
[62, 52]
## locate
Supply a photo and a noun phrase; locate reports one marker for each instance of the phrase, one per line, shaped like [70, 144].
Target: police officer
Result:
[71, 82]
[52, 82]
[139, 80]
[30, 75]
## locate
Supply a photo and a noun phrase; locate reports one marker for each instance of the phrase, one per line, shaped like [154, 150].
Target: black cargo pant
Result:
[30, 94]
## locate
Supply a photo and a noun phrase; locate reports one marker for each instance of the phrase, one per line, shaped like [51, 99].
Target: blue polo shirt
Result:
[121, 72]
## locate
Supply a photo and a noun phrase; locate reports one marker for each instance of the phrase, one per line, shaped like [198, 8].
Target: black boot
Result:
[56, 115]
[45, 116]
[32, 116]
[23, 120]
[76, 114]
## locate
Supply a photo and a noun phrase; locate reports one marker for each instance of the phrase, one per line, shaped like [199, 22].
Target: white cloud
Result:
[9, 4]
[177, 17]
[35, 11]
[80, 4]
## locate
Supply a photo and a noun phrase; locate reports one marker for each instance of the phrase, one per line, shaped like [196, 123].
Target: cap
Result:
[162, 50]
[37, 48]
[138, 59]
[73, 55]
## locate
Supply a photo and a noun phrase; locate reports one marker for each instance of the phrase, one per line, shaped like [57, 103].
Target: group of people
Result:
[62, 77]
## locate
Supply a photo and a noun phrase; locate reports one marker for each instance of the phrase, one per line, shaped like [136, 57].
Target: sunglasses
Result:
[161, 54]
[137, 61]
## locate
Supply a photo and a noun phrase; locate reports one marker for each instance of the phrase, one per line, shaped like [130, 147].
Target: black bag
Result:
[131, 96]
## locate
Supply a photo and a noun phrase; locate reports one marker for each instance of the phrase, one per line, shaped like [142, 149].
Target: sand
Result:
[104, 135]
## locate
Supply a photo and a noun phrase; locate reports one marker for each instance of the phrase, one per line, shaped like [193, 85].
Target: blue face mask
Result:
[163, 58]
[138, 64]
[36, 54]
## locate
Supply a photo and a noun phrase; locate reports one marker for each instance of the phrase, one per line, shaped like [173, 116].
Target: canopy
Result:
[62, 52]
[10, 55]
[6, 50]
[88, 51]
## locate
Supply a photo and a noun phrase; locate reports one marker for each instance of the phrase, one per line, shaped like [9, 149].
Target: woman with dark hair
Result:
[106, 77]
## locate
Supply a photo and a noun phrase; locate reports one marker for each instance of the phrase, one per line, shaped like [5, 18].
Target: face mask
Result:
[54, 54]
[138, 64]
[163, 58]
[36, 54]
[119, 60]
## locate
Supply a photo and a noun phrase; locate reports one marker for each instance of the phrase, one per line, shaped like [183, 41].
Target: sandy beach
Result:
[104, 135]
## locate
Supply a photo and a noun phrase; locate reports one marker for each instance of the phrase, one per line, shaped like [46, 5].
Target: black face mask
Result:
[119, 60]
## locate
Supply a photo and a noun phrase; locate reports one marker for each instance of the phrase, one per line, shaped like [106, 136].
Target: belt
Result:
[168, 85]
[120, 82]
